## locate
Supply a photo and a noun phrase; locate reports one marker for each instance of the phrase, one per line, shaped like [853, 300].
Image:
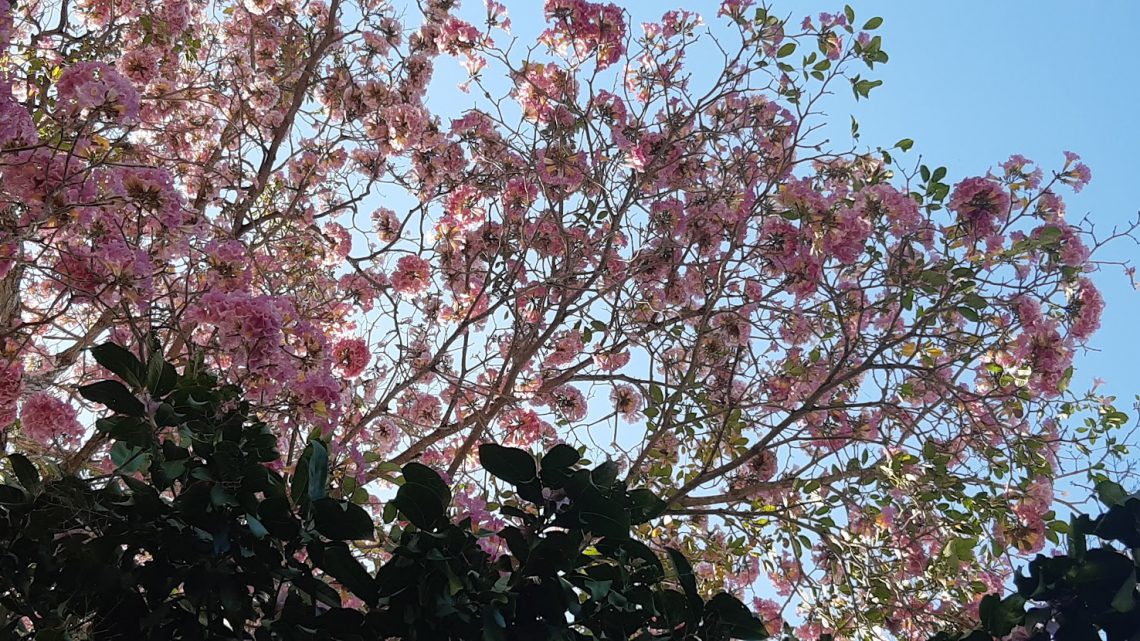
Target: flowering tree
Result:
[841, 373]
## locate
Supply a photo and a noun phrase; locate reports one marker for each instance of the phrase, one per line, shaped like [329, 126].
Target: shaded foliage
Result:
[196, 536]
[1087, 594]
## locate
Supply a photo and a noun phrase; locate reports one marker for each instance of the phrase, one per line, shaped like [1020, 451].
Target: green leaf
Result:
[905, 144]
[12, 495]
[256, 527]
[128, 459]
[872, 24]
[603, 516]
[318, 471]
[604, 475]
[1125, 598]
[788, 49]
[227, 461]
[336, 560]
[161, 377]
[423, 497]
[644, 505]
[511, 464]
[1111, 493]
[119, 361]
[560, 456]
[998, 616]
[299, 484]
[342, 520]
[730, 618]
[26, 473]
[277, 516]
[114, 395]
[686, 578]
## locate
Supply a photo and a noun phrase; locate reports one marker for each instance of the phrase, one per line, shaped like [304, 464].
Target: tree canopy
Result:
[845, 376]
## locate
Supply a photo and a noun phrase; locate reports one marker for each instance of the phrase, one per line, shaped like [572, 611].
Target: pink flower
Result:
[734, 8]
[49, 421]
[561, 166]
[542, 88]
[611, 361]
[319, 394]
[1015, 170]
[141, 65]
[569, 401]
[981, 205]
[847, 240]
[525, 428]
[567, 346]
[412, 275]
[771, 614]
[627, 402]
[592, 29]
[16, 126]
[1085, 310]
[419, 409]
[351, 356]
[93, 88]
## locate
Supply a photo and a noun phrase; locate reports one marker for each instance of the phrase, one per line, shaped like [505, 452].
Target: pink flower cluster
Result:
[592, 28]
[561, 166]
[412, 275]
[567, 346]
[524, 428]
[318, 395]
[49, 421]
[790, 254]
[1027, 532]
[16, 126]
[627, 402]
[1085, 310]
[351, 356]
[1041, 346]
[543, 90]
[982, 206]
[569, 402]
[94, 89]
[1076, 174]
[251, 332]
[771, 614]
[468, 505]
[229, 264]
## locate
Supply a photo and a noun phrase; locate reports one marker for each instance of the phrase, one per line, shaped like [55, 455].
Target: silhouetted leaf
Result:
[120, 362]
[423, 497]
[511, 464]
[342, 520]
[114, 395]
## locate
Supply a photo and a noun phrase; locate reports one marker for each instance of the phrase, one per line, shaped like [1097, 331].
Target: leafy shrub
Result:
[195, 535]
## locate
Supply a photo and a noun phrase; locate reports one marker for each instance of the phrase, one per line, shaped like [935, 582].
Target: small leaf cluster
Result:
[195, 535]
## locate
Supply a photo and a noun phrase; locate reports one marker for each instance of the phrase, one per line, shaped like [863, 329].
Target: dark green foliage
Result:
[195, 536]
[1088, 594]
